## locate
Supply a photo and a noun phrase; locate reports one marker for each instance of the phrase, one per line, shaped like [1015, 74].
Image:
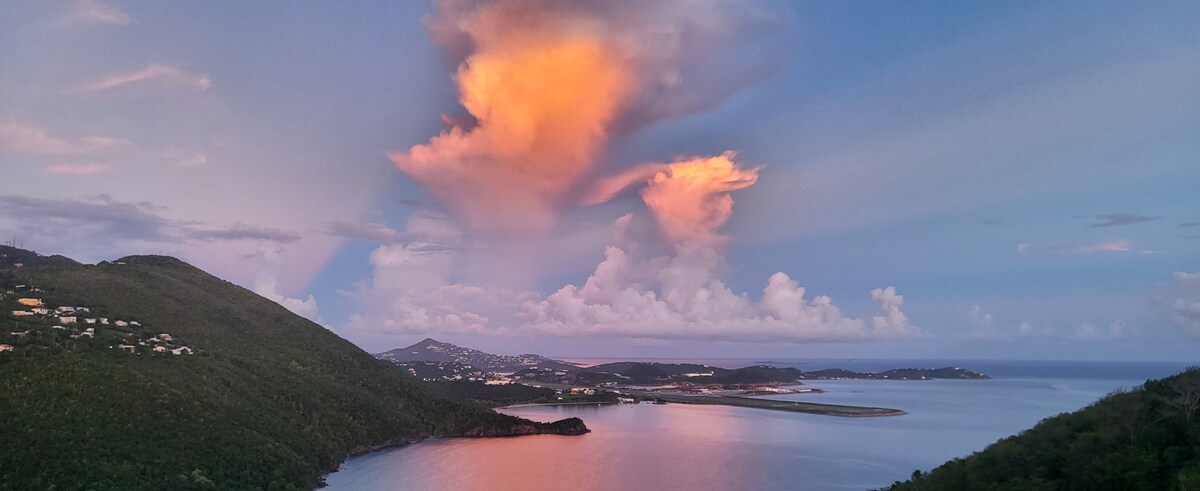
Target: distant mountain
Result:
[1144, 439]
[435, 351]
[269, 400]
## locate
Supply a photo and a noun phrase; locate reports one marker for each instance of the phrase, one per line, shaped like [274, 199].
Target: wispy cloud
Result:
[1114, 219]
[88, 169]
[155, 75]
[1120, 245]
[28, 139]
[1190, 224]
[1116, 245]
[241, 231]
[93, 12]
[374, 232]
[1187, 279]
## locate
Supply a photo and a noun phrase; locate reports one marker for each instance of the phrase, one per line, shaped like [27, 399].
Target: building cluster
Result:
[80, 323]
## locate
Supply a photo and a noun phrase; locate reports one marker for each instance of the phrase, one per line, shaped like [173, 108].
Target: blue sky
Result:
[1024, 174]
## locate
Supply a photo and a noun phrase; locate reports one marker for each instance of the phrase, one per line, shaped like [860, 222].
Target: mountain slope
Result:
[270, 401]
[1145, 439]
[432, 350]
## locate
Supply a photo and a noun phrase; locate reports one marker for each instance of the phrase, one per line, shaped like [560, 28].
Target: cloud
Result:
[680, 295]
[102, 218]
[93, 12]
[1114, 219]
[103, 224]
[20, 138]
[547, 84]
[241, 231]
[374, 232]
[1115, 245]
[271, 260]
[1187, 279]
[690, 198]
[633, 292]
[153, 76]
[88, 169]
[1190, 224]
[1120, 245]
[1186, 314]
[410, 290]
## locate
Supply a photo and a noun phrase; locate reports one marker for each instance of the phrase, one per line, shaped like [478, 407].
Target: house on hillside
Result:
[104, 320]
[135, 323]
[129, 348]
[67, 320]
[40, 311]
[65, 310]
[160, 349]
[165, 337]
[181, 350]
[21, 313]
[90, 320]
[121, 323]
[31, 302]
[6, 347]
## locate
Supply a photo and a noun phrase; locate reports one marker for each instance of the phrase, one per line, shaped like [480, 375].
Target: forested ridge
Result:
[270, 400]
[1142, 439]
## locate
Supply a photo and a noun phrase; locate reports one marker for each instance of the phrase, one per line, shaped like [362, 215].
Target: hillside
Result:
[1144, 439]
[269, 400]
[430, 350]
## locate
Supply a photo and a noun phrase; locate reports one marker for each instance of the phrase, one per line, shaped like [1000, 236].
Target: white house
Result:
[121, 323]
[6, 347]
[128, 347]
[90, 320]
[67, 320]
[41, 311]
[104, 320]
[65, 310]
[135, 323]
[160, 349]
[165, 337]
[21, 313]
[181, 350]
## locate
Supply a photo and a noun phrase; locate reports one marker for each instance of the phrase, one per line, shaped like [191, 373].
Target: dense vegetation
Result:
[1145, 439]
[271, 400]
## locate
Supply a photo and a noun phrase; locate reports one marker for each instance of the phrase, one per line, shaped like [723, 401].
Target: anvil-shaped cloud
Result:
[547, 85]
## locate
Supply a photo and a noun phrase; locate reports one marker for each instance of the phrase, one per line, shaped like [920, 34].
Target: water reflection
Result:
[649, 446]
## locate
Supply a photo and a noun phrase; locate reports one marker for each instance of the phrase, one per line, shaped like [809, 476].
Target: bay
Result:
[647, 446]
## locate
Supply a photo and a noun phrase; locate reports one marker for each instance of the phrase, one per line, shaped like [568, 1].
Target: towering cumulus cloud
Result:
[547, 83]
[680, 294]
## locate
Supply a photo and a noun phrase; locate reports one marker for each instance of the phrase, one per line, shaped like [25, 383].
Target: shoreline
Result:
[535, 404]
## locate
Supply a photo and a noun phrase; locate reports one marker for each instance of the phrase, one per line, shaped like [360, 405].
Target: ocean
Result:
[647, 446]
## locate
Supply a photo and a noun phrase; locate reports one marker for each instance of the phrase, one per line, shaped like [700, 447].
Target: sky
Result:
[927, 179]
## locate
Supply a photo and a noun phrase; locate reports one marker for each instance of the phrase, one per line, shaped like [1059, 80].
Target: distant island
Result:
[687, 383]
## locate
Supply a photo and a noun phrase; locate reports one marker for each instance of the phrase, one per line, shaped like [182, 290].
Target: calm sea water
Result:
[684, 447]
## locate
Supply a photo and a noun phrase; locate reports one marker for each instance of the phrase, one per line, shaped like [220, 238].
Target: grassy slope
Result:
[272, 401]
[1138, 440]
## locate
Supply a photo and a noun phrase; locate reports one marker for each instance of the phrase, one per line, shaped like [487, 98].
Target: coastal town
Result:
[36, 323]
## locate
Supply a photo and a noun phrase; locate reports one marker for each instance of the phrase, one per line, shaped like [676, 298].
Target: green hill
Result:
[1144, 439]
[270, 400]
